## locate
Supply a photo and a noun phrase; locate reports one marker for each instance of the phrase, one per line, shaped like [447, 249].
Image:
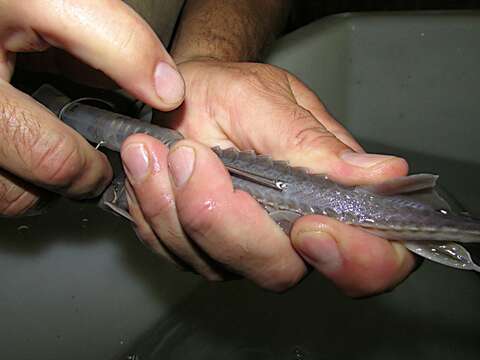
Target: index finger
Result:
[109, 36]
[39, 148]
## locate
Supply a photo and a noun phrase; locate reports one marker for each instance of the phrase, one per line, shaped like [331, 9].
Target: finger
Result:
[298, 136]
[358, 263]
[109, 36]
[308, 100]
[22, 40]
[16, 197]
[304, 141]
[7, 64]
[38, 148]
[230, 225]
[144, 231]
[145, 162]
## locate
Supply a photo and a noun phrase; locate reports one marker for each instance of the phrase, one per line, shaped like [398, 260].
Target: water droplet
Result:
[123, 341]
[133, 357]
[210, 204]
[422, 34]
[85, 222]
[298, 353]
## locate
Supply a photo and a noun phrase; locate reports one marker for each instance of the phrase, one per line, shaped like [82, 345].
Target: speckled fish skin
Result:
[398, 217]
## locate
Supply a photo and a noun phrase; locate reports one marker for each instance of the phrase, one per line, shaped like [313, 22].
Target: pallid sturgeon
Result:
[407, 209]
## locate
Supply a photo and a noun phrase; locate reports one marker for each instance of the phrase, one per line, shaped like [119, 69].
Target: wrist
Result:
[181, 59]
[217, 51]
[231, 31]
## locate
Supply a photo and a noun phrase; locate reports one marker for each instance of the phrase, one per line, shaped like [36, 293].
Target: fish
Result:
[409, 209]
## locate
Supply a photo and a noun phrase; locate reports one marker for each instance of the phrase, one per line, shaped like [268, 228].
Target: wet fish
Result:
[407, 209]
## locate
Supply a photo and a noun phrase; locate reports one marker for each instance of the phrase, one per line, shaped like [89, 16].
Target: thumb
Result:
[357, 262]
[109, 36]
[319, 142]
[313, 146]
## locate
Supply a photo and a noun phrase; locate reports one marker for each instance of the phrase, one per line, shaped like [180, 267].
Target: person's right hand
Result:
[185, 208]
[37, 151]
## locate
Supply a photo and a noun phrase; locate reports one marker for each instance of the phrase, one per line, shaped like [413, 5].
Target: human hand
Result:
[37, 151]
[186, 209]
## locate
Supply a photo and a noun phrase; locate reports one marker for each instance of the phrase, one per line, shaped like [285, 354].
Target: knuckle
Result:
[174, 239]
[14, 200]
[311, 136]
[126, 39]
[20, 130]
[158, 208]
[59, 164]
[199, 218]
[52, 159]
[24, 40]
[259, 77]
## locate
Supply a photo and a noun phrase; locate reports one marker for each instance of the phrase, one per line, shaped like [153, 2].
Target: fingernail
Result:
[364, 160]
[168, 83]
[320, 250]
[136, 160]
[181, 162]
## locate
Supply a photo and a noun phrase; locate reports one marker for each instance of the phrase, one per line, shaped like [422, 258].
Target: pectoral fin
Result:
[448, 253]
[114, 199]
[118, 211]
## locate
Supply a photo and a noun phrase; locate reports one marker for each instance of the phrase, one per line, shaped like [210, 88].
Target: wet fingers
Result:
[360, 264]
[145, 161]
[230, 226]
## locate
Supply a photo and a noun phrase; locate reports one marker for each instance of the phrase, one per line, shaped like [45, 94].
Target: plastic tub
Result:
[77, 285]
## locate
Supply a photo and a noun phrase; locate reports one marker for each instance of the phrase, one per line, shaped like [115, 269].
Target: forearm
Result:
[228, 30]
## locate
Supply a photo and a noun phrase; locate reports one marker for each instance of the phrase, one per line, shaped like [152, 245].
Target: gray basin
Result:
[77, 285]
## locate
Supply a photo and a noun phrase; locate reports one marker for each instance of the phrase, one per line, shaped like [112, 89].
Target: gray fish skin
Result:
[422, 222]
[398, 217]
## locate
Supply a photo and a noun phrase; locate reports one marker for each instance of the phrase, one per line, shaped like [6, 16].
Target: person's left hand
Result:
[185, 208]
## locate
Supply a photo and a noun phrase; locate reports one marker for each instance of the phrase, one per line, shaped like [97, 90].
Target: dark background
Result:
[305, 11]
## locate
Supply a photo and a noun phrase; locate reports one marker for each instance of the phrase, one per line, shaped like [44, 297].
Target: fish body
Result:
[401, 213]
[406, 209]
